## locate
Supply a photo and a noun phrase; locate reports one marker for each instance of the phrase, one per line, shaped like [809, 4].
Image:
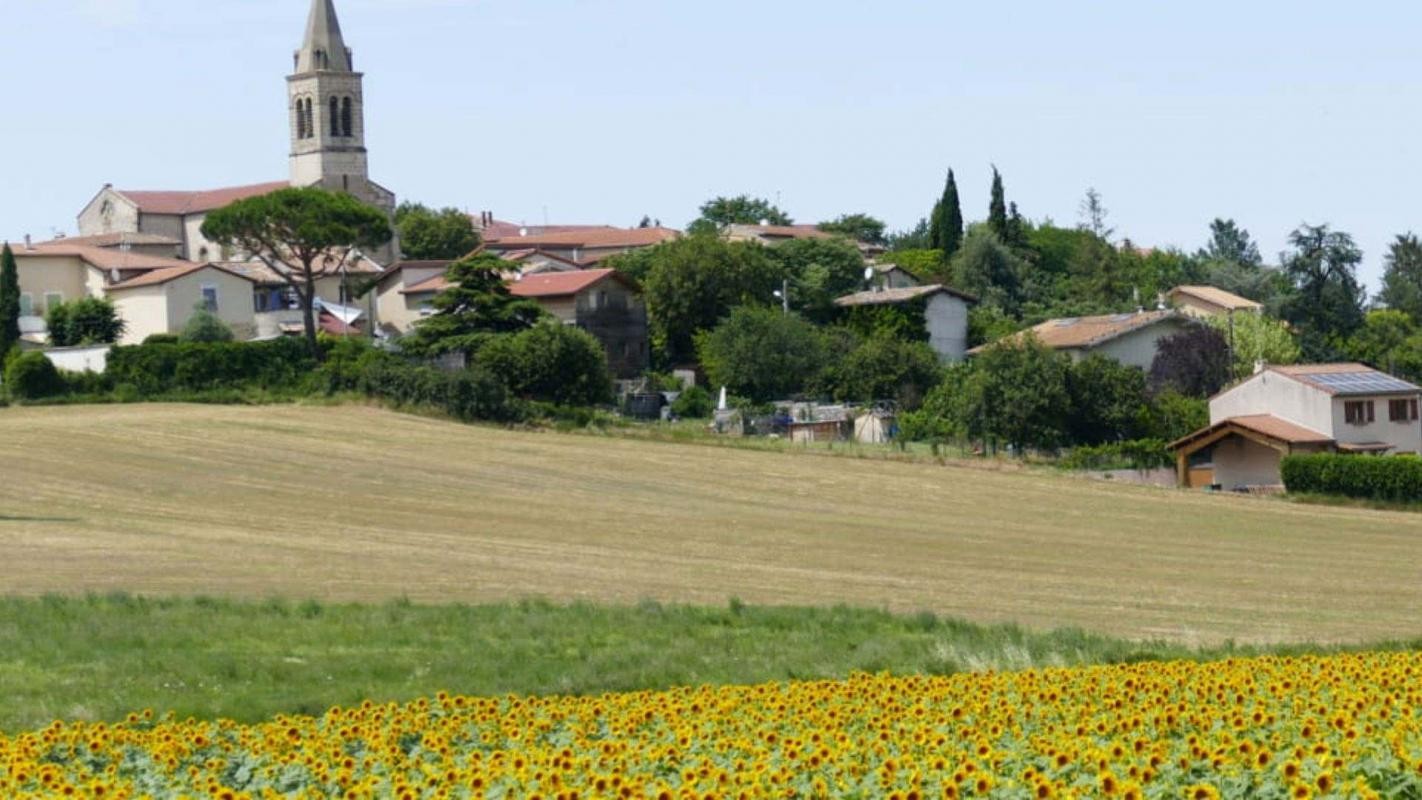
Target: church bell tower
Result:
[327, 108]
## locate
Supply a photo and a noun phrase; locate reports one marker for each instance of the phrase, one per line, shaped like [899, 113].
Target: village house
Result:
[945, 313]
[603, 302]
[1128, 338]
[1278, 411]
[893, 276]
[1209, 301]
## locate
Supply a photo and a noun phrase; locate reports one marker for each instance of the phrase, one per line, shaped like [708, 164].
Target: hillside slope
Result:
[360, 504]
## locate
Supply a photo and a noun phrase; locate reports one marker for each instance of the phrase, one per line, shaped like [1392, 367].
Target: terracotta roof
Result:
[105, 258]
[561, 284]
[524, 255]
[1085, 332]
[591, 237]
[115, 239]
[434, 283]
[1217, 297]
[183, 203]
[890, 296]
[161, 276]
[258, 272]
[1266, 425]
[501, 229]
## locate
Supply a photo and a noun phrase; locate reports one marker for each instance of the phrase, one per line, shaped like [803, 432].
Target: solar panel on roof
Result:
[1360, 382]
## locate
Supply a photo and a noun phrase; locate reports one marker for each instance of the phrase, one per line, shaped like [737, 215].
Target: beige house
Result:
[1209, 301]
[399, 304]
[1298, 409]
[163, 300]
[945, 313]
[1128, 338]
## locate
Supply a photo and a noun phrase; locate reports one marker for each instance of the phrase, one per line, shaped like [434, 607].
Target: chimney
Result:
[29, 245]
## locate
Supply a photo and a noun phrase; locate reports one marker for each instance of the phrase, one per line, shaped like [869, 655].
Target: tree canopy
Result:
[740, 210]
[946, 224]
[426, 234]
[1326, 304]
[301, 234]
[88, 320]
[819, 271]
[1402, 277]
[476, 305]
[691, 284]
[9, 301]
[762, 353]
[857, 227]
[1194, 362]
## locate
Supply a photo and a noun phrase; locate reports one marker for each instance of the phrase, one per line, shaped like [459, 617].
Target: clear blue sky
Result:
[604, 110]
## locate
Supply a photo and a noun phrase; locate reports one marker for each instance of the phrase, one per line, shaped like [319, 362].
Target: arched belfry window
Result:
[300, 118]
[346, 117]
[335, 117]
[310, 120]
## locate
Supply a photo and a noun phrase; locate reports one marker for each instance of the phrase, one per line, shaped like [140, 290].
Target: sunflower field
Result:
[1337, 726]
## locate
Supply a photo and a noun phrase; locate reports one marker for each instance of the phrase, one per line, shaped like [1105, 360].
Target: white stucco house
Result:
[1278, 411]
[1128, 338]
[945, 313]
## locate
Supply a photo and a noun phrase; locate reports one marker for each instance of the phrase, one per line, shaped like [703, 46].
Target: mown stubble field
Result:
[359, 504]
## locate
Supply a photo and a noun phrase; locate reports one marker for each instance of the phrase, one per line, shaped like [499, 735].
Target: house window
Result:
[27, 305]
[52, 299]
[1358, 412]
[1403, 410]
[209, 297]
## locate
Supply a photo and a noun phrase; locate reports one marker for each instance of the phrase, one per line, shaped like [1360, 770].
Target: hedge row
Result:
[1141, 454]
[1391, 478]
[166, 367]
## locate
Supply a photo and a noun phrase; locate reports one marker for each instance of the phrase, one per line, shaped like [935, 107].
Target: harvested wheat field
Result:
[354, 503]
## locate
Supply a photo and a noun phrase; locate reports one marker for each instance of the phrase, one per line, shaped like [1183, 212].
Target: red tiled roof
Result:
[434, 283]
[561, 284]
[1086, 332]
[591, 237]
[1217, 297]
[105, 258]
[182, 203]
[1266, 425]
[903, 295]
[114, 240]
[161, 276]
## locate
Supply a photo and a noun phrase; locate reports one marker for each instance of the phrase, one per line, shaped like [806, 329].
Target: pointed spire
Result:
[324, 48]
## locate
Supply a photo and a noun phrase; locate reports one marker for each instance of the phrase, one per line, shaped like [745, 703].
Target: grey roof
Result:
[324, 48]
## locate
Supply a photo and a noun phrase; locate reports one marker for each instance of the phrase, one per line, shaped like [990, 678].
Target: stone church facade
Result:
[326, 113]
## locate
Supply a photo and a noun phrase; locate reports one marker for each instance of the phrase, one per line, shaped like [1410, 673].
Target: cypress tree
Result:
[952, 229]
[997, 211]
[9, 301]
[935, 226]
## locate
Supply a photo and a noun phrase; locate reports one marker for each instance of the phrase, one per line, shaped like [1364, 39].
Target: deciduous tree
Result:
[739, 210]
[692, 283]
[857, 227]
[762, 353]
[426, 234]
[1402, 278]
[1195, 362]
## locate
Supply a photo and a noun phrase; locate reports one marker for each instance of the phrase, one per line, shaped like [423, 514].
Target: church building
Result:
[326, 114]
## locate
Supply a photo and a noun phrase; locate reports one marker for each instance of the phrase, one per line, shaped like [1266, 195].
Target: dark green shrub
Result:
[467, 395]
[162, 338]
[693, 403]
[551, 362]
[1396, 479]
[1134, 454]
[31, 376]
[205, 326]
[88, 320]
[155, 369]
